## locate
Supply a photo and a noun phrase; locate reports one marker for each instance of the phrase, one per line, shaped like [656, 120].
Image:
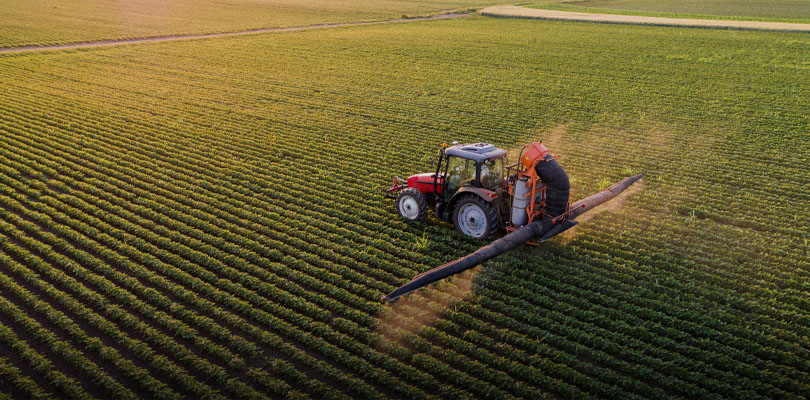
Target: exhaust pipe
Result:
[543, 229]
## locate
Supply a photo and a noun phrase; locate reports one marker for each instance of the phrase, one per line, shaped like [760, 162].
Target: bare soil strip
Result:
[523, 12]
[150, 39]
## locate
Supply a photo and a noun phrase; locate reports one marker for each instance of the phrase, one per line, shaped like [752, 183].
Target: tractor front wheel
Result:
[411, 204]
[475, 217]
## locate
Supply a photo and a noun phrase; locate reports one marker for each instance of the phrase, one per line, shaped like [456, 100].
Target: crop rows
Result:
[178, 224]
[42, 23]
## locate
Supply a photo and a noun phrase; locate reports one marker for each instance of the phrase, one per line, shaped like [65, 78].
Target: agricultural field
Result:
[205, 218]
[46, 22]
[778, 10]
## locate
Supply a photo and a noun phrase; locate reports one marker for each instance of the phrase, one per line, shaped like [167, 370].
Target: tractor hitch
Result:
[390, 193]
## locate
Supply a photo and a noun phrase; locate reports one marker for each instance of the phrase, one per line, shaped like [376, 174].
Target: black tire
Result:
[467, 219]
[411, 204]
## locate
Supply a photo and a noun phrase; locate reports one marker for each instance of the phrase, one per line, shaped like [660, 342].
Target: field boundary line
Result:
[534, 13]
[166, 38]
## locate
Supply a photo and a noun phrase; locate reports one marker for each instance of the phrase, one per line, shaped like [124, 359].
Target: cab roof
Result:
[475, 151]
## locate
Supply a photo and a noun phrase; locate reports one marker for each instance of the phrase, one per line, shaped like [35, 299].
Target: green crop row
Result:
[204, 219]
[82, 21]
[301, 321]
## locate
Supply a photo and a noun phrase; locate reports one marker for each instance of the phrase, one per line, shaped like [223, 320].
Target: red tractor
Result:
[475, 188]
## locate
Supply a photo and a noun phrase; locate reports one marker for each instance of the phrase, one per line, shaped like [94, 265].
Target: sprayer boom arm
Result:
[590, 202]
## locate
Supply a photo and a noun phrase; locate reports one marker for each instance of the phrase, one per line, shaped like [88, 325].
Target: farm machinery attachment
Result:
[473, 188]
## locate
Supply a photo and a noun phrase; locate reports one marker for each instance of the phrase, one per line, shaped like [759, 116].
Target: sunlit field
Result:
[204, 219]
[48, 22]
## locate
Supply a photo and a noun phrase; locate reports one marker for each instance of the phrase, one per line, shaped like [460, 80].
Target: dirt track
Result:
[523, 12]
[82, 45]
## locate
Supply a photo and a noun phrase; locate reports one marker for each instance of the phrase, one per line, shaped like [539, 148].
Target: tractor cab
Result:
[477, 165]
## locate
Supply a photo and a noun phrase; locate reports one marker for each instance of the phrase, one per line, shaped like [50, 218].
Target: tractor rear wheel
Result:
[475, 217]
[411, 204]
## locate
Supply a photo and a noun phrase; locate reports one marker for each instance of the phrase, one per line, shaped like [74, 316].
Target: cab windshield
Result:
[492, 172]
[460, 172]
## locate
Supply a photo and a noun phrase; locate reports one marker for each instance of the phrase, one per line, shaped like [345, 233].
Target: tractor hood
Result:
[424, 182]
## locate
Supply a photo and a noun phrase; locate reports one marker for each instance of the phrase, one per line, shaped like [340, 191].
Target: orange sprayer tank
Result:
[534, 153]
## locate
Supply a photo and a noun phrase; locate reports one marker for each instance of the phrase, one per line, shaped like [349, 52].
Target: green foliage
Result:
[47, 22]
[203, 219]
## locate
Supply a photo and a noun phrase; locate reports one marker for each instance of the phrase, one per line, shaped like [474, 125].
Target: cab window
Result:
[491, 172]
[460, 172]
